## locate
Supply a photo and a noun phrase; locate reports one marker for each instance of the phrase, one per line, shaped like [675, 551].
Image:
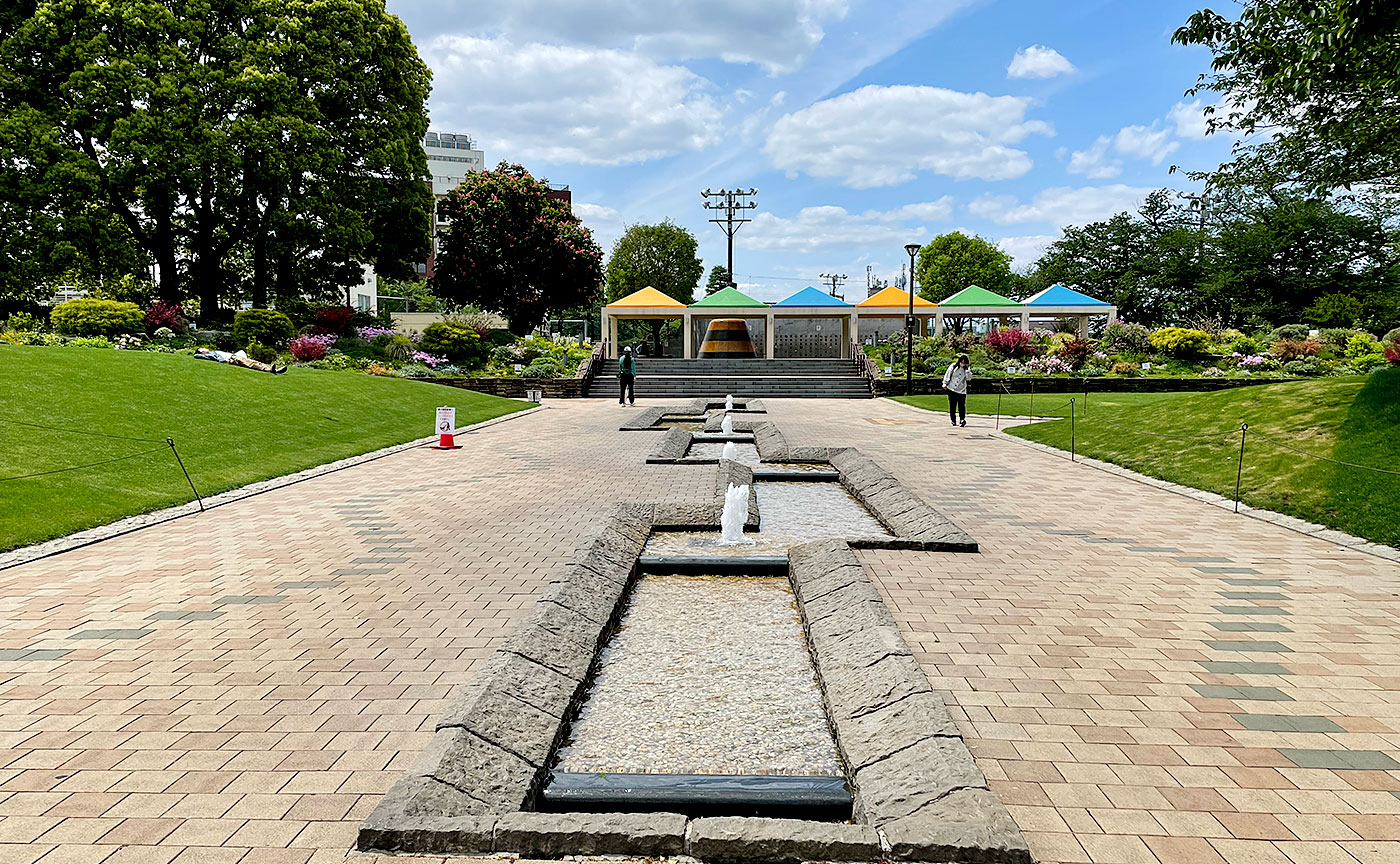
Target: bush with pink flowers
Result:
[311, 347]
[1012, 342]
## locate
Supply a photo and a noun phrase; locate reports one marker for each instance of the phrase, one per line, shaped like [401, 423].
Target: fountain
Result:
[736, 512]
[729, 402]
[730, 452]
[727, 425]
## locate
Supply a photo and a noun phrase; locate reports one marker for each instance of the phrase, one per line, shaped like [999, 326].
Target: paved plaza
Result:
[1142, 677]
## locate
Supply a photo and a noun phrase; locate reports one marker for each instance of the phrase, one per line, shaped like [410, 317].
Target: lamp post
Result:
[912, 249]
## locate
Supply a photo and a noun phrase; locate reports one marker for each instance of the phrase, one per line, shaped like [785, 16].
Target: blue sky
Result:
[864, 124]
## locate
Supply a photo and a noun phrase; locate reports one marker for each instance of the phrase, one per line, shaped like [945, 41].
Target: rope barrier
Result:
[1301, 452]
[78, 431]
[80, 467]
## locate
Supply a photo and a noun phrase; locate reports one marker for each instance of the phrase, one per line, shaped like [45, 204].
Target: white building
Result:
[451, 157]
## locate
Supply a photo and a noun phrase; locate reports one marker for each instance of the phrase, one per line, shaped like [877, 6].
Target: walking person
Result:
[955, 382]
[627, 378]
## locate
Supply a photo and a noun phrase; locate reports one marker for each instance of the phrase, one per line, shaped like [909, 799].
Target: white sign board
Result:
[446, 420]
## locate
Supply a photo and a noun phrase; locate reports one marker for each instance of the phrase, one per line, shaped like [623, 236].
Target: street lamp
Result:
[912, 249]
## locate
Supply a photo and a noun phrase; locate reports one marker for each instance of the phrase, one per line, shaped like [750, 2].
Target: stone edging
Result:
[646, 420]
[914, 778]
[913, 522]
[1282, 520]
[88, 536]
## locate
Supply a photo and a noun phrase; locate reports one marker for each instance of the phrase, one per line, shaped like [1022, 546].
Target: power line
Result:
[837, 280]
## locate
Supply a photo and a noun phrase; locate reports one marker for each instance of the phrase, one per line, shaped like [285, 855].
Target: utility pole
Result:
[734, 204]
[837, 281]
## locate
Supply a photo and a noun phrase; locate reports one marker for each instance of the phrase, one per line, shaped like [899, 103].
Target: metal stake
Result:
[1239, 472]
[1071, 430]
[181, 463]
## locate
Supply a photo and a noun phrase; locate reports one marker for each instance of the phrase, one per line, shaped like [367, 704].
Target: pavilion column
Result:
[1083, 326]
[687, 337]
[769, 336]
[1113, 314]
[610, 334]
[1025, 319]
[937, 324]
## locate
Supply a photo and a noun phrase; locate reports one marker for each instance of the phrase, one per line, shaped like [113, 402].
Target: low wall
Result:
[514, 388]
[895, 386]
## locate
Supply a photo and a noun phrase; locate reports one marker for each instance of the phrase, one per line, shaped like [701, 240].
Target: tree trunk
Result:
[260, 267]
[163, 248]
[656, 338]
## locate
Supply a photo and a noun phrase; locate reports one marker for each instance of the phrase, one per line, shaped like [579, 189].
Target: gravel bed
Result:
[705, 675]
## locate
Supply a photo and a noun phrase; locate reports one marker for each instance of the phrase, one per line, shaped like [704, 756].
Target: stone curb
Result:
[1282, 520]
[779, 841]
[911, 772]
[127, 525]
[554, 835]
[898, 508]
[715, 419]
[672, 447]
[773, 447]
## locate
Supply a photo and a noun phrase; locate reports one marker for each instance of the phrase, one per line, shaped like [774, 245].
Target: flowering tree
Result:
[512, 249]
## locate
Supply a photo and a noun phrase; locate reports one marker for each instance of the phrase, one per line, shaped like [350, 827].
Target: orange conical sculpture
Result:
[727, 337]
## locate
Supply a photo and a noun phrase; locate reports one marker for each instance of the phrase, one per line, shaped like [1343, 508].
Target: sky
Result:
[864, 124]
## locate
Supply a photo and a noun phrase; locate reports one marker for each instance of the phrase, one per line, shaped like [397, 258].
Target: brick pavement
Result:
[242, 685]
[1142, 677]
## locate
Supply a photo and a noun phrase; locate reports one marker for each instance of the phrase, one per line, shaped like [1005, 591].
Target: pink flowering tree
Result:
[513, 249]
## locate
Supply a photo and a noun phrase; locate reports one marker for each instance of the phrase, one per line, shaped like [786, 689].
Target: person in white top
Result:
[955, 382]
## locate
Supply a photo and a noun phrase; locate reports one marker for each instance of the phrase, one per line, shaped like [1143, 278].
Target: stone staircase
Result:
[661, 378]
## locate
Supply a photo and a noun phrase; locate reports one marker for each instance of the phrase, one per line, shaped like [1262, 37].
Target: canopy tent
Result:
[1057, 301]
[883, 313]
[647, 303]
[975, 301]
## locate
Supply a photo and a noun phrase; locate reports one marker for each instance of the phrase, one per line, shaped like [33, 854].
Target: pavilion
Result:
[1057, 301]
[891, 304]
[977, 302]
[812, 324]
[647, 304]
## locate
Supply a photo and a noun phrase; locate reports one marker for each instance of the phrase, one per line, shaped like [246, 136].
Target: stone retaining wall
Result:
[925, 386]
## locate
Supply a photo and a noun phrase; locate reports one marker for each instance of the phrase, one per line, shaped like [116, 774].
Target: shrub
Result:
[1180, 342]
[1392, 353]
[1124, 368]
[1361, 344]
[333, 319]
[168, 315]
[962, 342]
[20, 321]
[397, 347]
[1246, 345]
[1336, 338]
[480, 323]
[265, 326]
[540, 369]
[1291, 331]
[1334, 310]
[457, 342]
[163, 333]
[1292, 349]
[1393, 337]
[1368, 362]
[89, 316]
[1076, 351]
[306, 348]
[1301, 367]
[1012, 342]
[260, 352]
[89, 342]
[1122, 337]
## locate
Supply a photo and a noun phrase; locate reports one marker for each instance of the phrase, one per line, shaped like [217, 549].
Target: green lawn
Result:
[1194, 439]
[232, 427]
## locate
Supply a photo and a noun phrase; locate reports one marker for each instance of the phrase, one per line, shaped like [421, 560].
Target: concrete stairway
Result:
[660, 378]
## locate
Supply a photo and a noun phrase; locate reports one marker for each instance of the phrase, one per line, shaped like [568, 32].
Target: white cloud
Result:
[1026, 250]
[827, 228]
[1060, 206]
[1038, 61]
[1138, 142]
[1095, 163]
[569, 105]
[1188, 119]
[882, 136]
[778, 35]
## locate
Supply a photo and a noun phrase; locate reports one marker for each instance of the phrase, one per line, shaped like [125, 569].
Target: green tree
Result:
[1322, 77]
[719, 278]
[661, 256]
[511, 248]
[950, 262]
[254, 145]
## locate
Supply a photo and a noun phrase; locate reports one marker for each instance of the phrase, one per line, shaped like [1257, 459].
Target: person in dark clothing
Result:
[627, 378]
[955, 382]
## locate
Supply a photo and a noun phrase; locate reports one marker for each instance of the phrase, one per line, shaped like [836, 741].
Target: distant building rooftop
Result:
[449, 141]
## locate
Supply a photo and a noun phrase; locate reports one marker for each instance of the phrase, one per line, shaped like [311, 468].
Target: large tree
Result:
[263, 146]
[1313, 85]
[719, 279]
[661, 256]
[511, 247]
[950, 262]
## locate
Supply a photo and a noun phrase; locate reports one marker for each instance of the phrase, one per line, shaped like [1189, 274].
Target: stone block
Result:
[840, 600]
[673, 446]
[557, 637]
[853, 691]
[683, 516]
[915, 777]
[554, 835]
[412, 801]
[427, 834]
[879, 734]
[968, 825]
[498, 780]
[779, 841]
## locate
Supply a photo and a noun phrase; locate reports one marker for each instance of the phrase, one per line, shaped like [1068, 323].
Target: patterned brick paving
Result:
[242, 685]
[1143, 678]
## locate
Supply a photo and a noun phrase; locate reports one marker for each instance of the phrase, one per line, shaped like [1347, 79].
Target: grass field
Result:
[1194, 439]
[232, 427]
